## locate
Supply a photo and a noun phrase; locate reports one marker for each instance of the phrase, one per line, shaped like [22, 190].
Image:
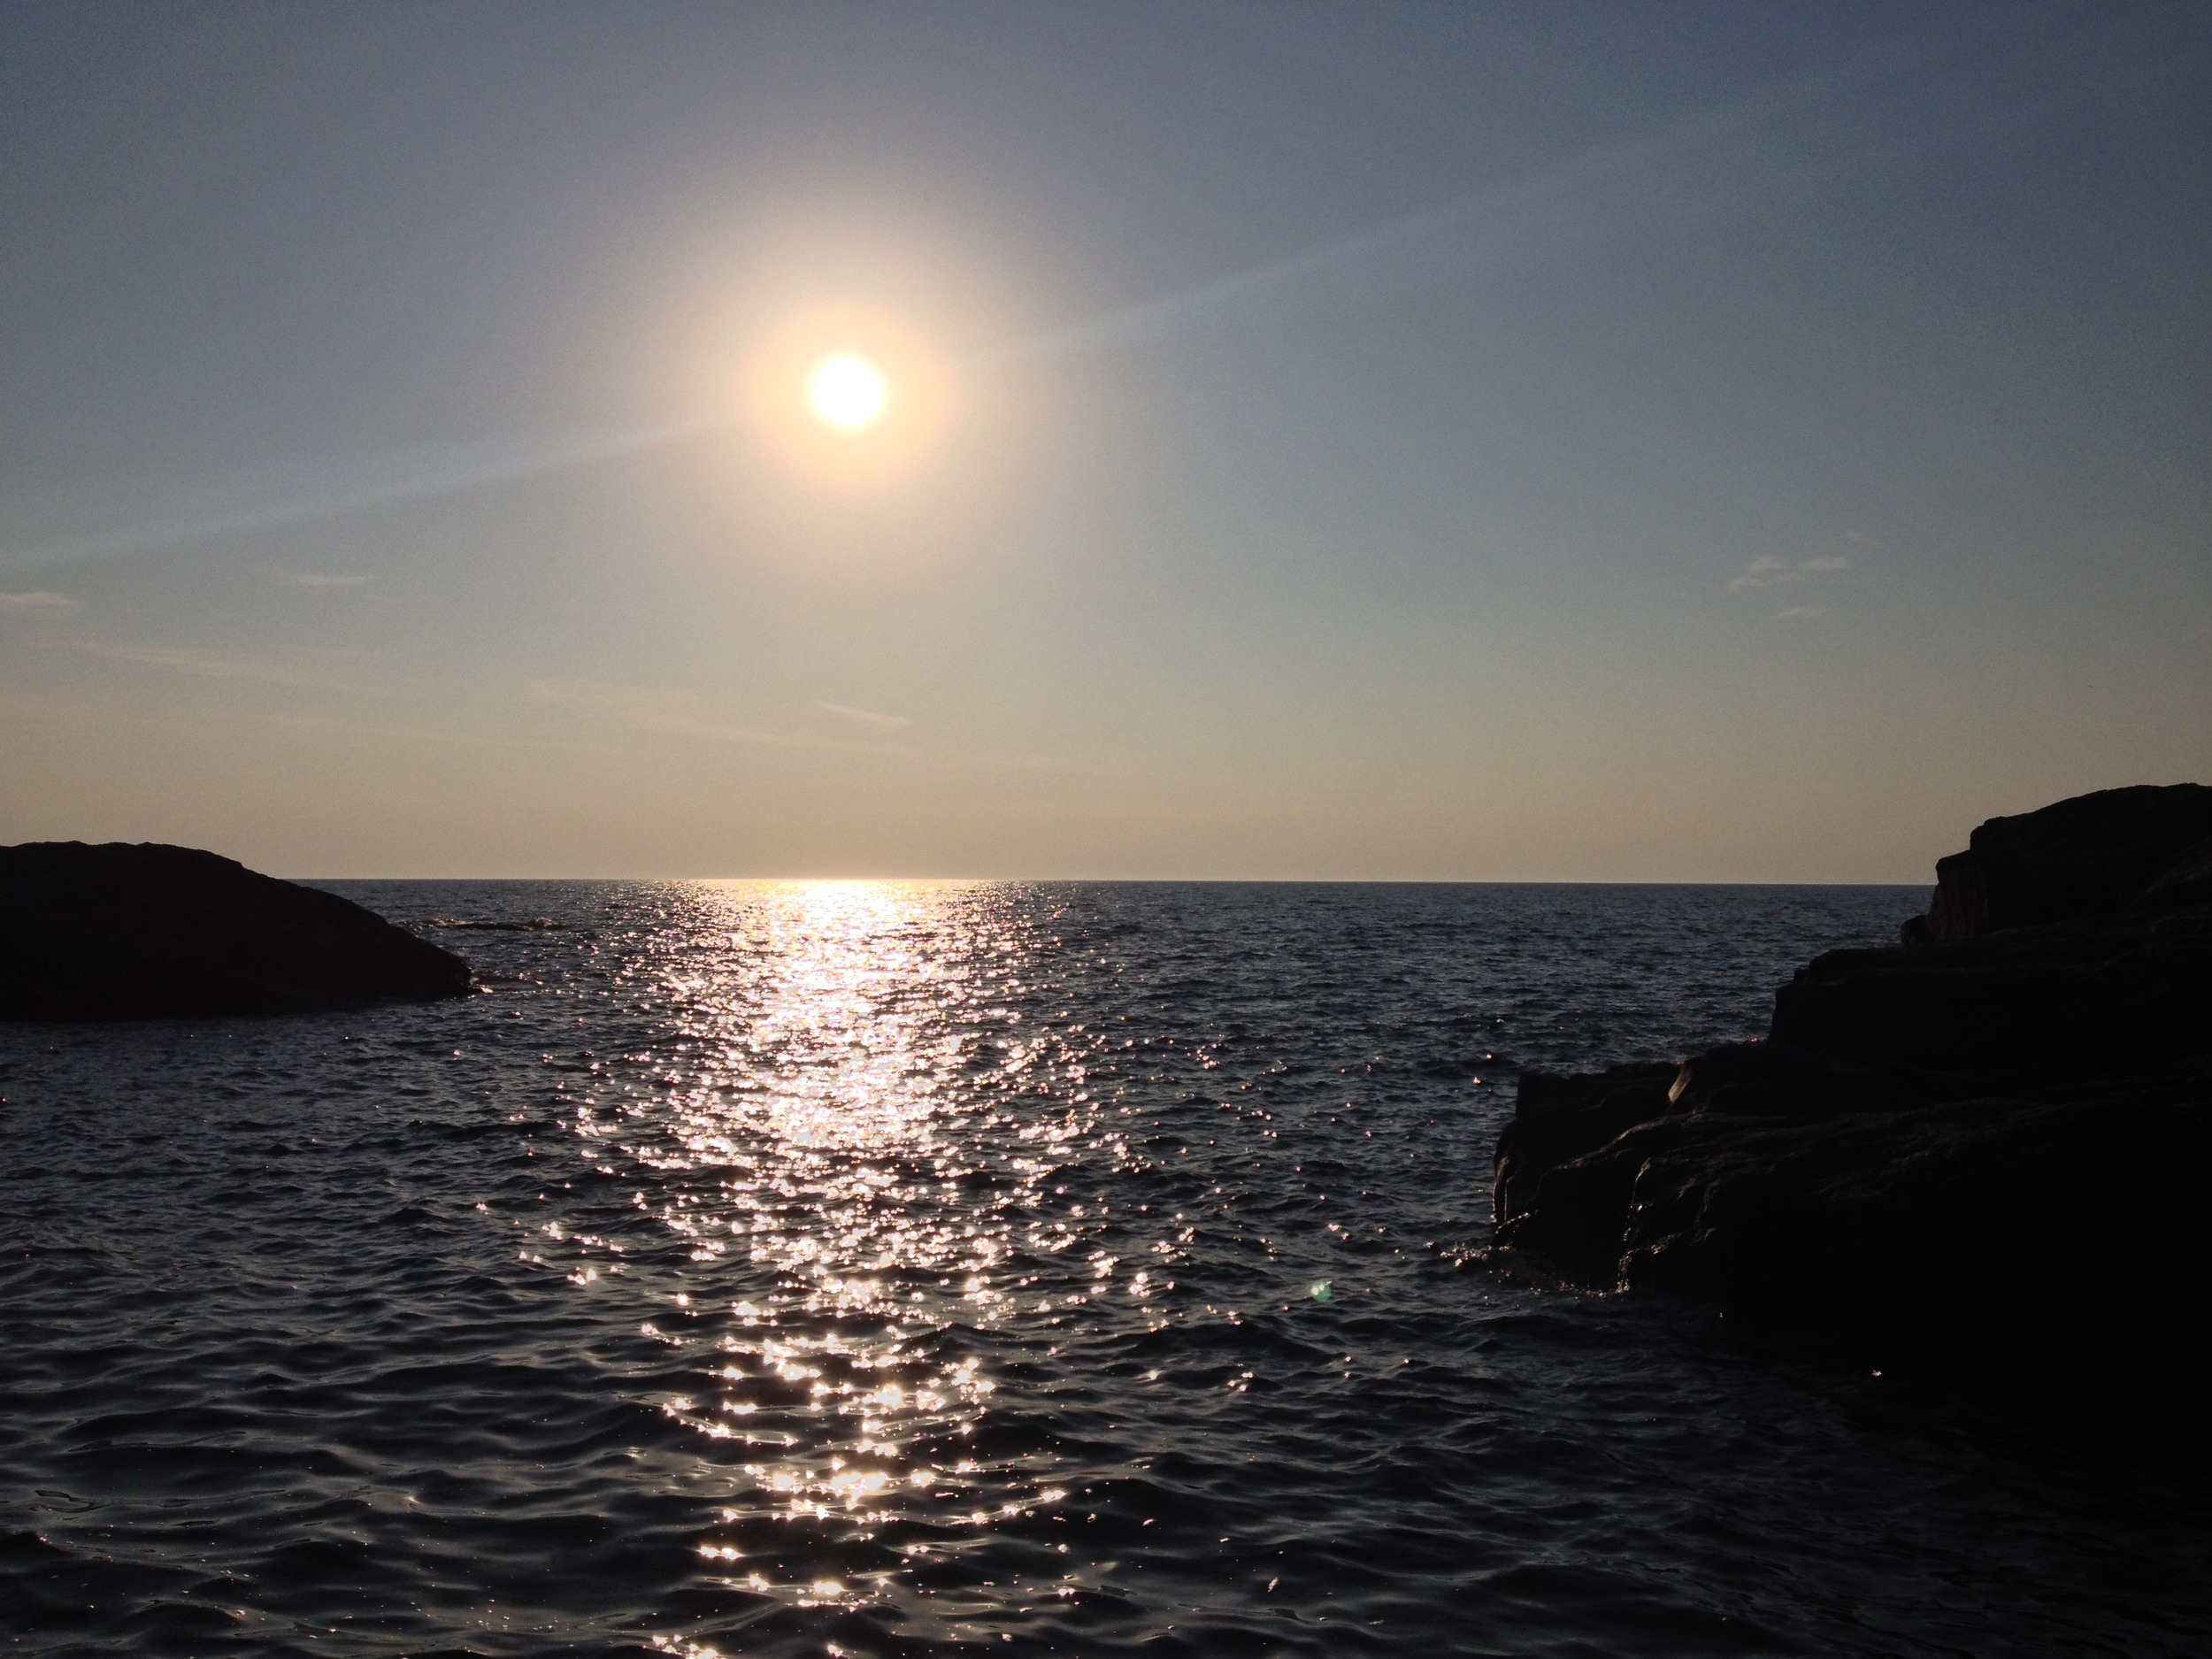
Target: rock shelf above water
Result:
[1986, 1145]
[133, 932]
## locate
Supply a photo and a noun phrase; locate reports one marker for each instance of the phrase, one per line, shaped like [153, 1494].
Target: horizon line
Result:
[914, 881]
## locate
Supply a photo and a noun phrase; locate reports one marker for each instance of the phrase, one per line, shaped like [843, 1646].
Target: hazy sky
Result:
[1685, 441]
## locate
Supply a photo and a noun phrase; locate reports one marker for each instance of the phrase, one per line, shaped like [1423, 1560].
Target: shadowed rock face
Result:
[123, 931]
[1985, 1146]
[2119, 849]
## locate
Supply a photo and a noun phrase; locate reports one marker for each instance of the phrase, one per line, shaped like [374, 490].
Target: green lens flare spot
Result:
[1320, 1292]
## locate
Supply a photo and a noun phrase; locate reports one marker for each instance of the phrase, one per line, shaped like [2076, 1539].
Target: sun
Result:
[849, 397]
[848, 391]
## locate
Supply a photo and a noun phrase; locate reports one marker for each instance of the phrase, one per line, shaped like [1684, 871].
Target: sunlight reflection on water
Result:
[834, 1152]
[897, 1269]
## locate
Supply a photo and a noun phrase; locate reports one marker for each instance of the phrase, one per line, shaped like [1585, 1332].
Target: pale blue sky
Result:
[1548, 441]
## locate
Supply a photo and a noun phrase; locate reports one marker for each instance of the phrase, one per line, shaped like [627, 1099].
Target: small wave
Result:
[498, 925]
[947, 1270]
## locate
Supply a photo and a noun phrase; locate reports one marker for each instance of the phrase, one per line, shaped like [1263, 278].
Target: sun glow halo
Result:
[849, 397]
[846, 391]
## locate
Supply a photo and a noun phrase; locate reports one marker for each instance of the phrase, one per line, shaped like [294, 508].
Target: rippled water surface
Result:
[876, 1269]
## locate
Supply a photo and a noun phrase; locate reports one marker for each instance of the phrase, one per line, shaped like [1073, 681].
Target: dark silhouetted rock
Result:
[123, 931]
[1986, 1147]
[2090, 997]
[2091, 856]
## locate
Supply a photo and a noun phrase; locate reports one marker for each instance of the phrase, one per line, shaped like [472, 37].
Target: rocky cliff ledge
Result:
[1988, 1145]
[121, 931]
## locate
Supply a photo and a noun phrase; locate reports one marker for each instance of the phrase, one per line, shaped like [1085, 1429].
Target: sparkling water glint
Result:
[908, 1269]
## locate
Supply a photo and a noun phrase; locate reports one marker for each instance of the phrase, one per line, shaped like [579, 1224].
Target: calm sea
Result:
[877, 1269]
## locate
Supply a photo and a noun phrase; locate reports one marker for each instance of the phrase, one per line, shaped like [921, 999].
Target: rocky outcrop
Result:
[124, 931]
[2144, 848]
[1986, 1145]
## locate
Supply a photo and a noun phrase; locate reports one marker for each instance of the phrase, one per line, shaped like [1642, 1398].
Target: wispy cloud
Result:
[611, 707]
[1774, 572]
[319, 579]
[654, 708]
[1787, 140]
[1887, 106]
[1762, 573]
[868, 718]
[38, 604]
[603, 710]
[356, 484]
[314, 673]
[1796, 613]
[1861, 538]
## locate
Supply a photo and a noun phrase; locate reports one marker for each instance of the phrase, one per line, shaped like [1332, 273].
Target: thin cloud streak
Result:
[867, 716]
[680, 713]
[616, 707]
[1770, 572]
[1729, 154]
[454, 478]
[1733, 154]
[214, 666]
[37, 604]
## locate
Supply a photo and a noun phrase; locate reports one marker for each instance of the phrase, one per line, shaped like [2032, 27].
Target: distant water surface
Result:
[882, 1269]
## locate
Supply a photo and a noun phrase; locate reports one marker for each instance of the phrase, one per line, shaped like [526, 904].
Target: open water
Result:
[881, 1269]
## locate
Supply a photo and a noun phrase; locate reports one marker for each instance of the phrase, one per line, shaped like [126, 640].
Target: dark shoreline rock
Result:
[1984, 1149]
[147, 931]
[2143, 848]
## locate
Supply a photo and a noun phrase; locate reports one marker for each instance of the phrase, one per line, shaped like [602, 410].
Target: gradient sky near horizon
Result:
[1548, 441]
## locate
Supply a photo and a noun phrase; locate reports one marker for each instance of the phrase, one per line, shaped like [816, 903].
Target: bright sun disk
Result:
[846, 391]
